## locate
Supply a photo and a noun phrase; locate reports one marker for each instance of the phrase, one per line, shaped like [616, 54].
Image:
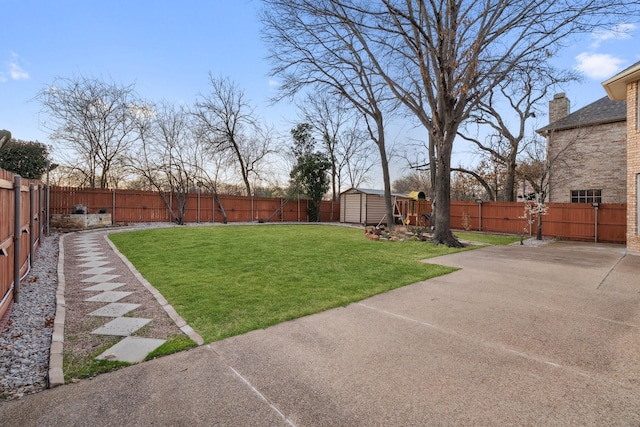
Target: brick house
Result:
[587, 151]
[625, 86]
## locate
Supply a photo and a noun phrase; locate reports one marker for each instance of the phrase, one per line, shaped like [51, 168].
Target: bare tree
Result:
[542, 165]
[416, 180]
[168, 155]
[346, 145]
[505, 112]
[228, 124]
[314, 49]
[358, 157]
[93, 118]
[490, 173]
[440, 58]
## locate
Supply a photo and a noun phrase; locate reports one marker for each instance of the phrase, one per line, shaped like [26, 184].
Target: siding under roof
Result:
[600, 112]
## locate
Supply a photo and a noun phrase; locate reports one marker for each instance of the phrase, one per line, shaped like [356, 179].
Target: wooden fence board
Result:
[30, 231]
[148, 206]
[571, 221]
[563, 220]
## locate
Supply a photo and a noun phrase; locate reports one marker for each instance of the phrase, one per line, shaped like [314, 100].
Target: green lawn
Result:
[228, 280]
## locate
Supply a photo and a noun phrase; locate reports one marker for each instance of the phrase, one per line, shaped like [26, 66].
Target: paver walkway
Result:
[90, 257]
[110, 295]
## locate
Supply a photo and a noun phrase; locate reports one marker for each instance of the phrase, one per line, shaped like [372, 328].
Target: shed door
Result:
[350, 208]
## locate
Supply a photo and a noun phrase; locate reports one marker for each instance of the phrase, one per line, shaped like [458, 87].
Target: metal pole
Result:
[198, 204]
[17, 235]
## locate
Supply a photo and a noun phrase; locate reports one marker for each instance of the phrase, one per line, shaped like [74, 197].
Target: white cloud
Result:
[17, 73]
[617, 32]
[598, 65]
[15, 70]
[273, 83]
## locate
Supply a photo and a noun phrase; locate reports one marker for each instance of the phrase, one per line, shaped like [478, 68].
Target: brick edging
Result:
[56, 375]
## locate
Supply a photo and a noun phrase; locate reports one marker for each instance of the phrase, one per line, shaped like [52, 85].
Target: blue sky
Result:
[167, 49]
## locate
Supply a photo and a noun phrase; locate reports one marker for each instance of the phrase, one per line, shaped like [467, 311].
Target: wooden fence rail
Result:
[21, 228]
[570, 221]
[128, 206]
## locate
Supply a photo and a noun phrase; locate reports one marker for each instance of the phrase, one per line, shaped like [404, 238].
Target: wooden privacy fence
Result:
[126, 206]
[571, 221]
[21, 227]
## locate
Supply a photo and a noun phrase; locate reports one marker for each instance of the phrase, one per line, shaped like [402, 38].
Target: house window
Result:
[586, 196]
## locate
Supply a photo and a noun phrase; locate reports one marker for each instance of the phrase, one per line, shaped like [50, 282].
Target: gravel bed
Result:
[26, 339]
[533, 242]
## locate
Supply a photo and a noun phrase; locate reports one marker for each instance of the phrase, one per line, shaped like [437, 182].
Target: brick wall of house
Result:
[633, 168]
[588, 158]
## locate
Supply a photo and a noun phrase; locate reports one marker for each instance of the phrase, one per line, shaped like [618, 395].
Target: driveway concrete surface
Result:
[518, 336]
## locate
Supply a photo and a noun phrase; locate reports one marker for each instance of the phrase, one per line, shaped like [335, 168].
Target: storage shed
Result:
[365, 206]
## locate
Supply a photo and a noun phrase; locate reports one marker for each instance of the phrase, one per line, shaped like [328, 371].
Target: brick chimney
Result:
[559, 107]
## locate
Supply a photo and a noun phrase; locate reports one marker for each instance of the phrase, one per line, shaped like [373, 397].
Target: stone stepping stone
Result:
[98, 270]
[85, 245]
[109, 296]
[89, 254]
[93, 264]
[100, 278]
[98, 256]
[115, 309]
[107, 286]
[121, 326]
[131, 349]
[87, 251]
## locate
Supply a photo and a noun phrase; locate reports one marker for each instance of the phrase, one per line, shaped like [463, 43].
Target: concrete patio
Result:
[518, 336]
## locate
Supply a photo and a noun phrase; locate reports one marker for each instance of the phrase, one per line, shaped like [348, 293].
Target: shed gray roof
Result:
[600, 112]
[371, 192]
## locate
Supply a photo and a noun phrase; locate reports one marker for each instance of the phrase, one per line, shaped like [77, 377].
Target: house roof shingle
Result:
[602, 111]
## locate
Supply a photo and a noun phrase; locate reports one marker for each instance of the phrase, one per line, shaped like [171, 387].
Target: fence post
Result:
[32, 213]
[113, 207]
[595, 208]
[47, 204]
[17, 234]
[479, 202]
[40, 211]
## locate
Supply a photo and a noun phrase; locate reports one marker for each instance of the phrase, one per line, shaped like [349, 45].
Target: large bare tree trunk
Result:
[442, 233]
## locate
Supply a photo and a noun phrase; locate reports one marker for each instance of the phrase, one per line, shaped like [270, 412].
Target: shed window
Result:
[586, 196]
